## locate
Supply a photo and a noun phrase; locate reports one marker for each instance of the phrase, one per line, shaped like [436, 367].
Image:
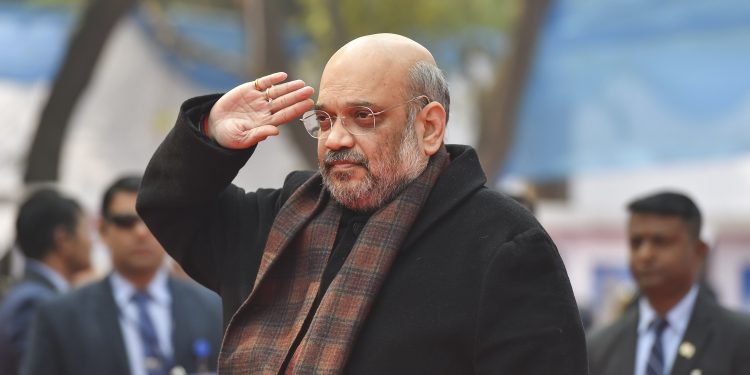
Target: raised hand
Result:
[251, 112]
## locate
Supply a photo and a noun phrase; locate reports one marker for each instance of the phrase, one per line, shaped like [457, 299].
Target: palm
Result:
[243, 117]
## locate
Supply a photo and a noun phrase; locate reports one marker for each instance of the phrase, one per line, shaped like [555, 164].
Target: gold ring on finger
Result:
[257, 86]
[267, 95]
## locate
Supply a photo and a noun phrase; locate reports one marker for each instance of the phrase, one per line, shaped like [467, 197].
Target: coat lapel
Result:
[697, 335]
[105, 311]
[181, 327]
[623, 362]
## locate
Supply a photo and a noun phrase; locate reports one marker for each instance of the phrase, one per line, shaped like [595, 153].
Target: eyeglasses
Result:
[124, 221]
[361, 120]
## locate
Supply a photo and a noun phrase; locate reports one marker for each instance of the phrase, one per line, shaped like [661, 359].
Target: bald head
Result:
[396, 49]
[375, 61]
[380, 67]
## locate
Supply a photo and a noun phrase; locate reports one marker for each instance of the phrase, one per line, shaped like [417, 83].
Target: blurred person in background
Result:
[675, 327]
[137, 321]
[394, 259]
[52, 232]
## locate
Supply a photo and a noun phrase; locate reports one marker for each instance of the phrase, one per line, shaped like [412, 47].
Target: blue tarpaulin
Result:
[629, 83]
[33, 40]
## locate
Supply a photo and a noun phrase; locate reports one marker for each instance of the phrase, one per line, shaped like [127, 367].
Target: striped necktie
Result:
[655, 364]
[153, 358]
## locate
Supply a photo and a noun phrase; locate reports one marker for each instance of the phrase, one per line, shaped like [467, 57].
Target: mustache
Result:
[345, 155]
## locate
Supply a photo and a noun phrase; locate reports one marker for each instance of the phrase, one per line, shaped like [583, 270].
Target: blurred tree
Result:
[269, 31]
[68, 3]
[264, 24]
[86, 44]
[265, 21]
[500, 104]
[329, 24]
[332, 22]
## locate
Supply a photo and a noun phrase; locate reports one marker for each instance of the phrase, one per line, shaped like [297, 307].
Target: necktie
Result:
[154, 360]
[655, 364]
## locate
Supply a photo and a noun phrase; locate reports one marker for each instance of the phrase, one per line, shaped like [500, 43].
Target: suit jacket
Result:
[721, 339]
[477, 286]
[16, 313]
[79, 334]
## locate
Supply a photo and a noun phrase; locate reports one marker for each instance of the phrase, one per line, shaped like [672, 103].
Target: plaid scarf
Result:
[263, 330]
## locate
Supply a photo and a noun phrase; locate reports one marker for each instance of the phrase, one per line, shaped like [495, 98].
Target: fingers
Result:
[266, 82]
[245, 116]
[290, 101]
[294, 93]
[292, 112]
[277, 91]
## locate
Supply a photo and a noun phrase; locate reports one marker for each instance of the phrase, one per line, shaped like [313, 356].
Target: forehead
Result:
[123, 202]
[346, 83]
[645, 224]
[348, 92]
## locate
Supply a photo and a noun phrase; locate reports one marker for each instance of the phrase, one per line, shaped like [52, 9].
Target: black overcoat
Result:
[478, 287]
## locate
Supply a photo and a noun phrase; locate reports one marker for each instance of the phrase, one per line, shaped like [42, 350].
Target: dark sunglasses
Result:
[124, 221]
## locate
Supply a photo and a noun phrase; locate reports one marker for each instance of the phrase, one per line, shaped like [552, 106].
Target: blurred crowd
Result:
[144, 317]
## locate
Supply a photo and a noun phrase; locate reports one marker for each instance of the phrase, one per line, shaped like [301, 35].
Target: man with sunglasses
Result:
[393, 259]
[52, 232]
[137, 321]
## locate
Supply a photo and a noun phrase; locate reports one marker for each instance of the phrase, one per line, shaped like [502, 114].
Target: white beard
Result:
[381, 183]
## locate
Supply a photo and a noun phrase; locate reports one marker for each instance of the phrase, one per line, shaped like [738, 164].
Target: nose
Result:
[339, 138]
[644, 251]
[141, 229]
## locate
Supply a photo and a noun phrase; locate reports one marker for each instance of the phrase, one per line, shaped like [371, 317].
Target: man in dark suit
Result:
[138, 320]
[676, 327]
[394, 259]
[52, 232]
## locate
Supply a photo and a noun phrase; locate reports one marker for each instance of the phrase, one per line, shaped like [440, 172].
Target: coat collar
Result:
[459, 180]
[108, 315]
[36, 271]
[624, 362]
[182, 330]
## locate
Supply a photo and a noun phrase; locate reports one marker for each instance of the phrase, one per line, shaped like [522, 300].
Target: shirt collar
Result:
[157, 289]
[678, 317]
[54, 277]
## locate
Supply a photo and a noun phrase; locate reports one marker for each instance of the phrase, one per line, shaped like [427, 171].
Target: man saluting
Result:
[394, 258]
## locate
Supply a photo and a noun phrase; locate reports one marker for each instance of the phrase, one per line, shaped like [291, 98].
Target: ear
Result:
[701, 248]
[432, 129]
[61, 238]
[60, 235]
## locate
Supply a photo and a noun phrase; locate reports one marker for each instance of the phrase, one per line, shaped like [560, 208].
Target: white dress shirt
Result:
[678, 319]
[160, 311]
